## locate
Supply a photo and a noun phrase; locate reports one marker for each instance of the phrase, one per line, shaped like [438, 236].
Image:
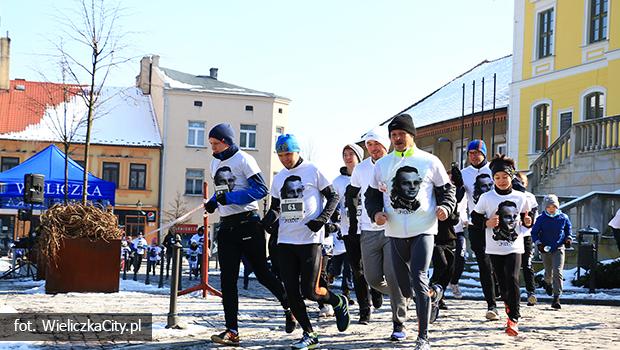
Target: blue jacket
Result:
[551, 231]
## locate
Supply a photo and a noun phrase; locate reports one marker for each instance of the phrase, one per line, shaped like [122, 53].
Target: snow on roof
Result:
[446, 102]
[124, 117]
[200, 83]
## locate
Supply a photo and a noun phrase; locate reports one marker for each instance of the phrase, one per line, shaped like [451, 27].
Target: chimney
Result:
[213, 73]
[5, 83]
[146, 70]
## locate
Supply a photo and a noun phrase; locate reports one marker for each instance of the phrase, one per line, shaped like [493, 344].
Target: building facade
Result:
[187, 107]
[566, 70]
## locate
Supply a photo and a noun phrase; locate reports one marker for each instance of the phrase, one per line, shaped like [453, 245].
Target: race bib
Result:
[292, 208]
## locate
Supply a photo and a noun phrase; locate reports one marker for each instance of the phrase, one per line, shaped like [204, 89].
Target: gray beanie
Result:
[359, 152]
[551, 199]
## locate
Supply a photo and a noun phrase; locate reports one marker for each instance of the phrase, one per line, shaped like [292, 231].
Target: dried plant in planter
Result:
[74, 220]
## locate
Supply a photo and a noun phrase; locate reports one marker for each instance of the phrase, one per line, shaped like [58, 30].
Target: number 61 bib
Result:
[292, 208]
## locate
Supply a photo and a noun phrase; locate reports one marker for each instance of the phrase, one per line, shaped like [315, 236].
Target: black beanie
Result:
[502, 163]
[223, 132]
[402, 122]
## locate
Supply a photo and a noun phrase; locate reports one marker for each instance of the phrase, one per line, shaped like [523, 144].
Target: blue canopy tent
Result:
[50, 162]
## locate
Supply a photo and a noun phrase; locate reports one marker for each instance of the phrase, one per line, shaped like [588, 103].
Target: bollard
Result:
[147, 281]
[173, 319]
[161, 268]
[125, 265]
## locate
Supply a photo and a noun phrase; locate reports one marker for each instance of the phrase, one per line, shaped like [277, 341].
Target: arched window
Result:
[594, 105]
[542, 119]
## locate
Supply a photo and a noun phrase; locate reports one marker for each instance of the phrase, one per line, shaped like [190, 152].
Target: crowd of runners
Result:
[388, 216]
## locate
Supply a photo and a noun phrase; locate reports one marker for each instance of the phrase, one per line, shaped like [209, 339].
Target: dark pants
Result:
[168, 260]
[300, 269]
[487, 280]
[354, 255]
[150, 266]
[526, 264]
[247, 270]
[137, 262]
[239, 236]
[325, 262]
[443, 264]
[616, 232]
[459, 257]
[274, 257]
[507, 268]
[339, 265]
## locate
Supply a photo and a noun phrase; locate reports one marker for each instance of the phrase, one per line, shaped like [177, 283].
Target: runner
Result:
[500, 213]
[373, 245]
[239, 186]
[297, 197]
[477, 179]
[459, 228]
[409, 192]
[519, 183]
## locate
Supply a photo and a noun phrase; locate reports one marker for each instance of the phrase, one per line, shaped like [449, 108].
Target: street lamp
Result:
[445, 139]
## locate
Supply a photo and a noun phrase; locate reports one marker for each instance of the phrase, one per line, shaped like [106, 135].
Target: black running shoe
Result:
[343, 319]
[291, 322]
[227, 337]
[364, 316]
[435, 302]
[377, 298]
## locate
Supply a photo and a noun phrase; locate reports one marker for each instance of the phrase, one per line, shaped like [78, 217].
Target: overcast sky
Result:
[346, 65]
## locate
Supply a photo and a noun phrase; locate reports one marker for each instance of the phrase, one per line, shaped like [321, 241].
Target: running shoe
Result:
[512, 327]
[531, 299]
[308, 341]
[398, 334]
[556, 302]
[435, 298]
[492, 314]
[291, 322]
[377, 298]
[422, 344]
[326, 311]
[442, 305]
[364, 317]
[343, 319]
[227, 337]
[456, 291]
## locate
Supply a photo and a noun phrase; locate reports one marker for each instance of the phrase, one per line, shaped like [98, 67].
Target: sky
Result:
[345, 65]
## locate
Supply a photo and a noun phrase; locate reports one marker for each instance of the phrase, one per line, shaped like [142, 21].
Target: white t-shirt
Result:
[361, 178]
[339, 247]
[154, 256]
[473, 189]
[507, 237]
[199, 239]
[615, 221]
[532, 203]
[463, 216]
[139, 245]
[408, 186]
[231, 175]
[340, 185]
[299, 190]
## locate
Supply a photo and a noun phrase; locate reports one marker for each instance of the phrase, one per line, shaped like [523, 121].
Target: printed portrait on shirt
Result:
[225, 176]
[483, 184]
[293, 187]
[508, 220]
[405, 188]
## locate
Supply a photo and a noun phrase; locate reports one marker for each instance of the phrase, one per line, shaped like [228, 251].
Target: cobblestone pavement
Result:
[262, 321]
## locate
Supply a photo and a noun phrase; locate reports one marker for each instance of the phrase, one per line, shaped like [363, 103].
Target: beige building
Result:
[187, 106]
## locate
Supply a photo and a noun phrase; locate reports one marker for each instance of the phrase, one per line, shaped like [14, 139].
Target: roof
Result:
[125, 116]
[203, 83]
[446, 103]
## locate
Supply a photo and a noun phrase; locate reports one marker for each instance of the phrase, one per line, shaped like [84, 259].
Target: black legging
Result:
[526, 264]
[616, 232]
[354, 256]
[487, 280]
[443, 264]
[459, 258]
[507, 268]
[303, 262]
[236, 237]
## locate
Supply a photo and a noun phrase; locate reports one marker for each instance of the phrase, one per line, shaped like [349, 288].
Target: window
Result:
[500, 148]
[598, 20]
[193, 181]
[594, 105]
[197, 103]
[137, 176]
[111, 172]
[280, 110]
[249, 108]
[566, 120]
[545, 33]
[460, 152]
[8, 163]
[541, 121]
[196, 134]
[247, 136]
[81, 163]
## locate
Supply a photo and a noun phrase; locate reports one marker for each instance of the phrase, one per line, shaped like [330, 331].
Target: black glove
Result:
[210, 207]
[331, 228]
[221, 198]
[567, 243]
[315, 225]
[457, 177]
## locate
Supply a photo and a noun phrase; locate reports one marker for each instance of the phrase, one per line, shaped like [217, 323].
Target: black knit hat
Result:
[502, 163]
[402, 122]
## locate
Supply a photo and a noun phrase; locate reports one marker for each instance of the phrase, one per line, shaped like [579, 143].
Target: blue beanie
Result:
[287, 143]
[478, 145]
[223, 132]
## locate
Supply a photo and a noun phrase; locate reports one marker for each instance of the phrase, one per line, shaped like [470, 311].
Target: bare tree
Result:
[309, 151]
[178, 207]
[94, 51]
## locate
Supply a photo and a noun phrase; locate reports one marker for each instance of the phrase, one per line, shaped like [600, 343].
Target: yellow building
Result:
[566, 81]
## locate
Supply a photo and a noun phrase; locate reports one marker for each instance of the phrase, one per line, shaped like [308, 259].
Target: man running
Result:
[411, 223]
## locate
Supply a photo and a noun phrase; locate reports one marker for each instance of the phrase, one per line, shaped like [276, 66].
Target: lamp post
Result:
[445, 139]
[139, 205]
